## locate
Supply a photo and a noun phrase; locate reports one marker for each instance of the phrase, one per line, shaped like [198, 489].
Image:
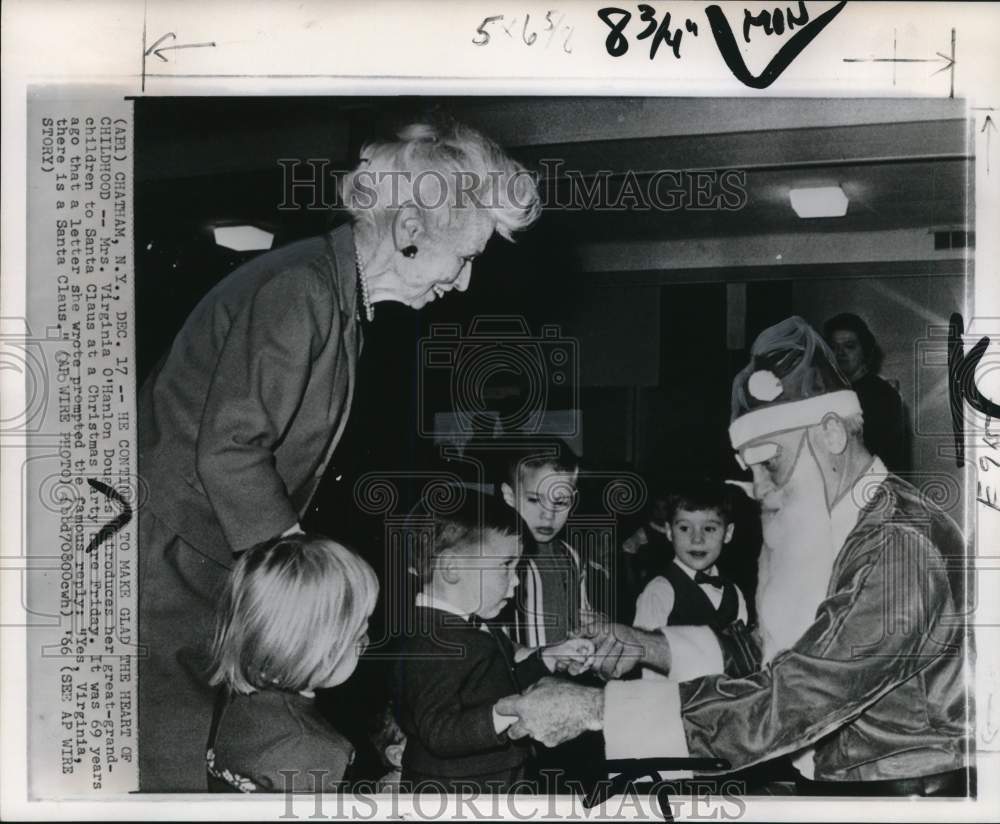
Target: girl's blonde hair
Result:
[290, 611]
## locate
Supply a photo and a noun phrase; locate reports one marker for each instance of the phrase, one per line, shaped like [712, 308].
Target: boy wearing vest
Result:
[690, 591]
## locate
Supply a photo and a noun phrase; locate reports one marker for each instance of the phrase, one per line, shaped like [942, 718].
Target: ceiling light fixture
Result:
[242, 238]
[819, 201]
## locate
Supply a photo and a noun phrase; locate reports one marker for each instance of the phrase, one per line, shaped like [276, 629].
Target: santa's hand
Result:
[553, 711]
[574, 655]
[618, 648]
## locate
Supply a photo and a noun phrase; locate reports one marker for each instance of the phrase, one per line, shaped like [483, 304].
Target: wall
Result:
[907, 316]
[774, 250]
[675, 421]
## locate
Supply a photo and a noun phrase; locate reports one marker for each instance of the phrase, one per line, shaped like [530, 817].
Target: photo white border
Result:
[267, 48]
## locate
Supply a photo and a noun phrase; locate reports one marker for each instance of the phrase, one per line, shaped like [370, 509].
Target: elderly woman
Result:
[238, 421]
[859, 357]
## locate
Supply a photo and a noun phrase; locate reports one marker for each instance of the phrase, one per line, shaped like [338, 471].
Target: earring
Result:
[409, 251]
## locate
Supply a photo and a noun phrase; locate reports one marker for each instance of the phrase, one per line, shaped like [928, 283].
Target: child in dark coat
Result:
[293, 619]
[454, 665]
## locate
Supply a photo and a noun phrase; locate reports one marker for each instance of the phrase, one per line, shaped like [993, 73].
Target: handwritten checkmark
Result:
[123, 517]
[730, 51]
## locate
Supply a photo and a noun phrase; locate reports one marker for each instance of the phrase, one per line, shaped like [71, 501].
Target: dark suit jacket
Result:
[448, 677]
[885, 431]
[239, 420]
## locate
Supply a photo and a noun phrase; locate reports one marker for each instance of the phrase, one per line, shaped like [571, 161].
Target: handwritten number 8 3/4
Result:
[617, 19]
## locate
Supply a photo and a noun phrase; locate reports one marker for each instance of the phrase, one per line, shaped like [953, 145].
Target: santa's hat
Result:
[791, 381]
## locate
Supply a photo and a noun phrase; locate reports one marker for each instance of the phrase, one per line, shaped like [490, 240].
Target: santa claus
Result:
[861, 600]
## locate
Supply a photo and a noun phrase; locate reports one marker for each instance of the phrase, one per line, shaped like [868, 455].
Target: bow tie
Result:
[477, 622]
[701, 577]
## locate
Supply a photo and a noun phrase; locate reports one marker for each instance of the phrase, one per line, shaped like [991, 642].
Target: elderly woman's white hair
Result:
[441, 168]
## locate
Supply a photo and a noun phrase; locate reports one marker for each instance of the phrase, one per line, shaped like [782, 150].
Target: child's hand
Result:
[592, 624]
[575, 655]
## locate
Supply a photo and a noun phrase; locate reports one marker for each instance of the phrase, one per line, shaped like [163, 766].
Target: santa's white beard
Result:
[796, 560]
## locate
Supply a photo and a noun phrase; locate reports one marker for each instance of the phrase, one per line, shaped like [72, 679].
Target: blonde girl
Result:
[293, 619]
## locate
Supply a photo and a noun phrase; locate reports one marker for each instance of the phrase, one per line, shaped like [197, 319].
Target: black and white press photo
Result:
[546, 431]
[447, 410]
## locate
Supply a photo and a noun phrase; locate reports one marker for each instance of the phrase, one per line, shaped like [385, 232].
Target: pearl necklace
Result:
[363, 279]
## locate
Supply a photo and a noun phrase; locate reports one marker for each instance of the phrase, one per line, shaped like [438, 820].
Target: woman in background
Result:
[859, 357]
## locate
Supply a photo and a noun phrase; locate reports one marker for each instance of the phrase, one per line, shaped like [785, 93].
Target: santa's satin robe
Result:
[876, 685]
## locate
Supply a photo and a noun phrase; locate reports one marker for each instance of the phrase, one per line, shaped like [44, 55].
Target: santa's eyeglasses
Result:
[757, 454]
[768, 455]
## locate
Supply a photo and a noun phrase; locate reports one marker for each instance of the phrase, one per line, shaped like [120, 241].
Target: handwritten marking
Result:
[552, 28]
[984, 494]
[143, 63]
[648, 15]
[988, 126]
[158, 50]
[949, 61]
[900, 60]
[730, 50]
[481, 30]
[774, 22]
[987, 496]
[951, 92]
[117, 523]
[524, 32]
[152, 48]
[529, 38]
[962, 386]
[991, 439]
[616, 44]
